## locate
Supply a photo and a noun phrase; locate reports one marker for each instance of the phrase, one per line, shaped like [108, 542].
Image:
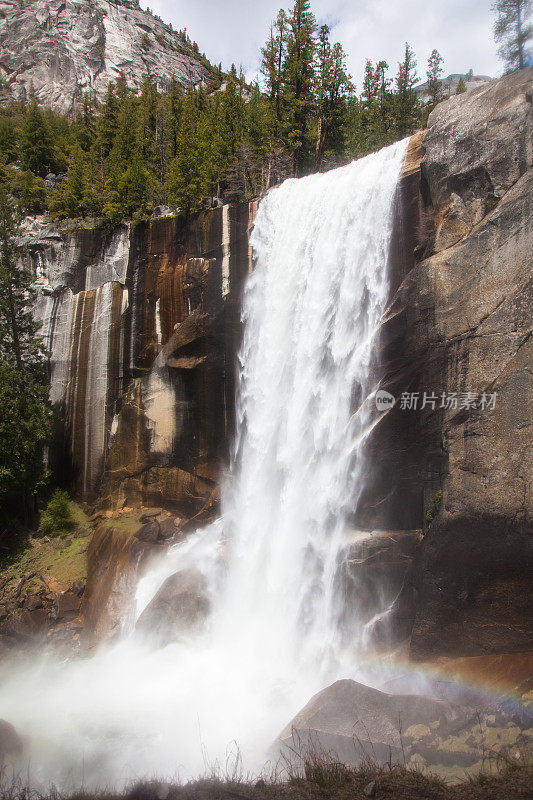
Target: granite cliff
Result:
[61, 49]
[143, 326]
[459, 321]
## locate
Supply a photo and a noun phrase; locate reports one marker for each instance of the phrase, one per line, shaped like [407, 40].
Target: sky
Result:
[235, 30]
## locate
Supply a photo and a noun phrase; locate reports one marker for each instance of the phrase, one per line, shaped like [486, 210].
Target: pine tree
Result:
[24, 408]
[370, 114]
[134, 187]
[186, 182]
[70, 200]
[383, 83]
[433, 74]
[149, 120]
[108, 121]
[406, 101]
[8, 140]
[299, 80]
[36, 146]
[513, 30]
[273, 59]
[175, 103]
[85, 124]
[333, 85]
[30, 191]
[126, 138]
[122, 90]
[232, 115]
[461, 86]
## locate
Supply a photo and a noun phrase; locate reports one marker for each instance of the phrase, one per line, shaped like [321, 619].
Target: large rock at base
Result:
[180, 605]
[354, 723]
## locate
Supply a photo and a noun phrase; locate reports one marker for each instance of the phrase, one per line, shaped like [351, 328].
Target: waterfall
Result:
[311, 310]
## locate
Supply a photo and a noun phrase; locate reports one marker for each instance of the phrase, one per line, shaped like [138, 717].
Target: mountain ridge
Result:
[58, 50]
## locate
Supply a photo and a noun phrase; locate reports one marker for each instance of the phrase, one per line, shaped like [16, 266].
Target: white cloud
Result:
[234, 30]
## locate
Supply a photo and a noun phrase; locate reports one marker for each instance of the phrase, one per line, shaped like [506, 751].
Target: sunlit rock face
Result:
[459, 321]
[142, 330]
[65, 48]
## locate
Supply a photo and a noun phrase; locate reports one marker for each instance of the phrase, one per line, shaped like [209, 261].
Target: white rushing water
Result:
[311, 309]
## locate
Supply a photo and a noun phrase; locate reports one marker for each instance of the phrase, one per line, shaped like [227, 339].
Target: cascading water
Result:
[311, 310]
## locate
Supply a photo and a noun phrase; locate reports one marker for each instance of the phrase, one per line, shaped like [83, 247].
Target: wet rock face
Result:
[459, 321]
[81, 277]
[65, 48]
[115, 560]
[376, 578]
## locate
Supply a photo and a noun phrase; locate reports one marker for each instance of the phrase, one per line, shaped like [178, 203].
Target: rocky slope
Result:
[64, 48]
[449, 85]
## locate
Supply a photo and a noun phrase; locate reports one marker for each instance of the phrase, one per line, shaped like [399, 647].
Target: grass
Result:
[62, 559]
[130, 523]
[321, 778]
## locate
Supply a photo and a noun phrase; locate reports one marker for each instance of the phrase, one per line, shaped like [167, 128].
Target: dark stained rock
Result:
[143, 404]
[181, 604]
[149, 532]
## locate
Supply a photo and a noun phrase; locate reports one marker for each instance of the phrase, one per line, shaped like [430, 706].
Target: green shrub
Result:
[57, 518]
[432, 512]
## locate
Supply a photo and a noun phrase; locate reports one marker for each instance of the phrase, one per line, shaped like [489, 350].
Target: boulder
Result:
[180, 605]
[10, 742]
[68, 605]
[354, 723]
[149, 532]
[170, 528]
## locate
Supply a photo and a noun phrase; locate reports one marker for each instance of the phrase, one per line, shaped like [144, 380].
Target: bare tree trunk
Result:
[519, 37]
[320, 143]
[14, 328]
